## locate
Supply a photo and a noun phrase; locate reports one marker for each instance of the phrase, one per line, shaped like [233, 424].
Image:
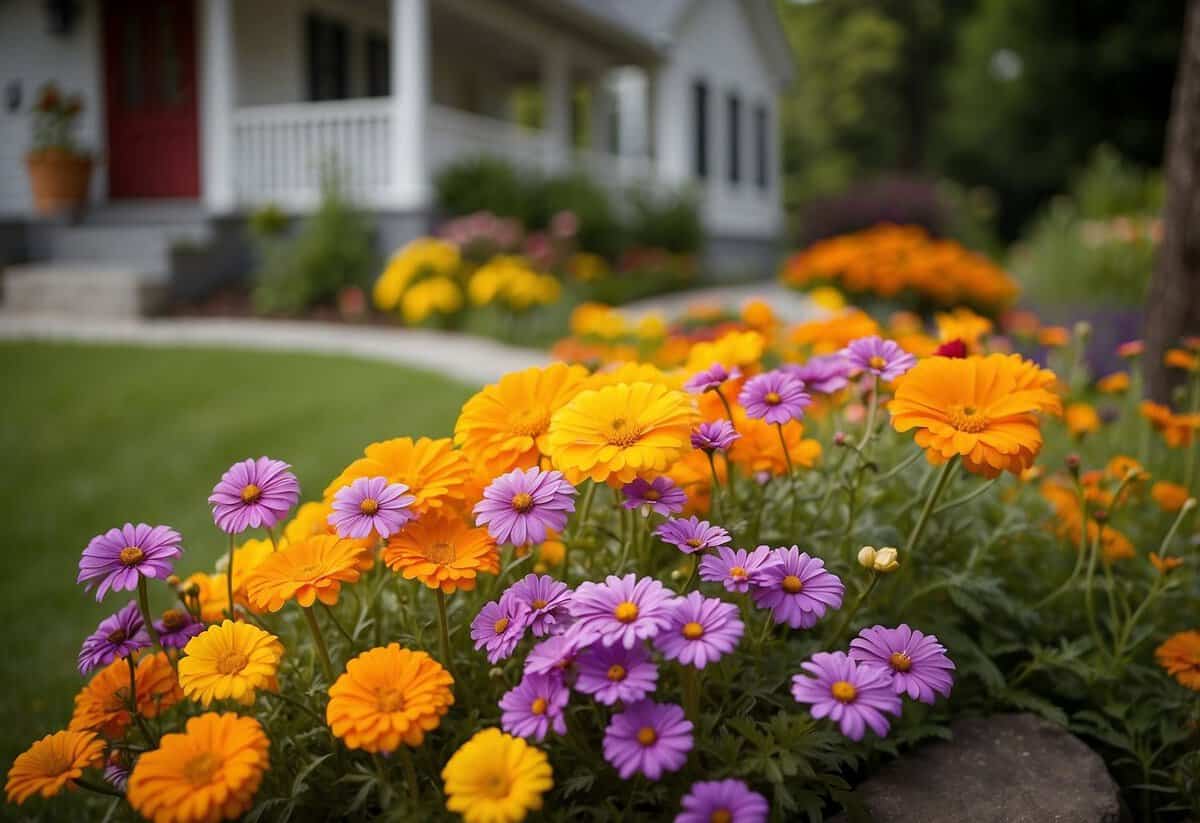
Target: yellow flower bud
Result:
[866, 557]
[887, 560]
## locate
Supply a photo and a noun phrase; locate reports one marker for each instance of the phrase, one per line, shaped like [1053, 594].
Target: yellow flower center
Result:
[616, 672]
[877, 362]
[539, 706]
[692, 630]
[522, 503]
[117, 636]
[967, 419]
[792, 584]
[694, 542]
[442, 552]
[626, 612]
[738, 573]
[623, 433]
[199, 770]
[173, 620]
[652, 494]
[900, 661]
[232, 662]
[500, 625]
[647, 736]
[368, 506]
[530, 422]
[251, 493]
[721, 816]
[131, 555]
[495, 785]
[772, 398]
[843, 691]
[539, 603]
[390, 700]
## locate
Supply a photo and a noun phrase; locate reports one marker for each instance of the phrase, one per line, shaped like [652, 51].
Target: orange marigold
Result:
[208, 773]
[435, 473]
[311, 570]
[1180, 656]
[1165, 564]
[759, 449]
[51, 763]
[103, 704]
[442, 552]
[973, 408]
[1177, 429]
[388, 696]
[1114, 383]
[1181, 359]
[1170, 497]
[1081, 419]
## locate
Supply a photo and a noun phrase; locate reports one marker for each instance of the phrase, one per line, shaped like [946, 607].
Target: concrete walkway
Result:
[474, 360]
[790, 305]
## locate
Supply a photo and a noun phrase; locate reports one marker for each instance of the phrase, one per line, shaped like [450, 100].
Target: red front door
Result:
[150, 96]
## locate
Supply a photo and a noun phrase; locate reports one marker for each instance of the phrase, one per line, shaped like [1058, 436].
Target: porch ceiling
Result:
[586, 22]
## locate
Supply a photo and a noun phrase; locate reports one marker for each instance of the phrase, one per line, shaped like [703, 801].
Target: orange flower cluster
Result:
[888, 261]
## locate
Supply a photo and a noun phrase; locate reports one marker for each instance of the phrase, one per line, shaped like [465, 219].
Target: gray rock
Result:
[1009, 768]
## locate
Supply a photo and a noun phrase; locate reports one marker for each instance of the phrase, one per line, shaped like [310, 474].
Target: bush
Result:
[482, 184]
[899, 200]
[666, 220]
[332, 251]
[599, 229]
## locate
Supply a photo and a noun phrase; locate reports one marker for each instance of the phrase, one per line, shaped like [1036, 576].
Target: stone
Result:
[1008, 768]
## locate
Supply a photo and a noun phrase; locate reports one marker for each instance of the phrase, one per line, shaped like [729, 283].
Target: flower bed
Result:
[724, 588]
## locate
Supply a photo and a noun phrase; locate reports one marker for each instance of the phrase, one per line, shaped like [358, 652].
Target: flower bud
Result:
[1072, 462]
[1189, 504]
[839, 439]
[866, 557]
[1100, 515]
[173, 581]
[887, 560]
[1083, 329]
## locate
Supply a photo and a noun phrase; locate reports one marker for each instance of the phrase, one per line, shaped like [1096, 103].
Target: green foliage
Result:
[268, 221]
[483, 183]
[666, 220]
[332, 251]
[600, 230]
[1094, 245]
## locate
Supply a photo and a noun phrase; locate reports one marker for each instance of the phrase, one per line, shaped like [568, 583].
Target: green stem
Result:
[691, 574]
[144, 605]
[229, 578]
[901, 466]
[295, 703]
[787, 456]
[133, 705]
[968, 497]
[1089, 593]
[919, 526]
[872, 410]
[716, 484]
[848, 615]
[341, 630]
[310, 617]
[444, 630]
[274, 542]
[84, 783]
[691, 694]
[410, 774]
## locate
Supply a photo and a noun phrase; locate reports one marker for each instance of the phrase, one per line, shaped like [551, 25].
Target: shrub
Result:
[667, 220]
[599, 228]
[483, 184]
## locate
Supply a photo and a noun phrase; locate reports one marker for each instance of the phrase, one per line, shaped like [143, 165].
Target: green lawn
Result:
[92, 437]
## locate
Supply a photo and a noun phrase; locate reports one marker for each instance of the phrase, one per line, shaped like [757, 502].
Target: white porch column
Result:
[600, 117]
[410, 103]
[217, 72]
[556, 104]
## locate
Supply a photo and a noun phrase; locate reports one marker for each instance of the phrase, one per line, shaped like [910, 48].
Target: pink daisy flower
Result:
[774, 397]
[520, 506]
[660, 495]
[916, 661]
[798, 589]
[119, 558]
[702, 630]
[738, 571]
[254, 494]
[622, 609]
[852, 695]
[648, 737]
[535, 707]
[615, 674]
[371, 505]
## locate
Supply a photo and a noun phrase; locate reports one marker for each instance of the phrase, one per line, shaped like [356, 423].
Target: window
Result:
[762, 148]
[700, 128]
[734, 109]
[379, 66]
[326, 50]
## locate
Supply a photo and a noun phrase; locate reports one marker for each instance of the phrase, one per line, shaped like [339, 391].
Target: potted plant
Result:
[60, 173]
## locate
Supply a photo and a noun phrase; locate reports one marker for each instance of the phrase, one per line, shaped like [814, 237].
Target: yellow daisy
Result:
[230, 661]
[496, 778]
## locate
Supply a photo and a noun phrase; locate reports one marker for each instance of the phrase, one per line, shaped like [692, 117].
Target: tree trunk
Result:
[1173, 303]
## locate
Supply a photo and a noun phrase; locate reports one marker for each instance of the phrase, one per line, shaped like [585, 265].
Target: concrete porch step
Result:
[82, 290]
[146, 247]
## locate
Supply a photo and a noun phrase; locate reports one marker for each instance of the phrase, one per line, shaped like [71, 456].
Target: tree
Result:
[1173, 305]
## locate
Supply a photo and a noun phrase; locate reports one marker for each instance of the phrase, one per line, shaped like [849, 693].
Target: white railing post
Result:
[556, 104]
[218, 98]
[408, 172]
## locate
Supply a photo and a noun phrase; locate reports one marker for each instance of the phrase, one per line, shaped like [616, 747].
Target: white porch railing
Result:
[281, 151]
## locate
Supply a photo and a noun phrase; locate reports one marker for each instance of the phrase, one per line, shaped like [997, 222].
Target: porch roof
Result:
[603, 24]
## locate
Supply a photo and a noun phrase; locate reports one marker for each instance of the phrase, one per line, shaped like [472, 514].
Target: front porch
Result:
[504, 83]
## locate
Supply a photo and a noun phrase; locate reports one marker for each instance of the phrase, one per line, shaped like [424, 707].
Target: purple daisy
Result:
[499, 627]
[882, 358]
[692, 535]
[702, 630]
[176, 628]
[738, 570]
[535, 707]
[775, 397]
[622, 609]
[660, 495]
[116, 770]
[711, 378]
[648, 737]
[548, 601]
[849, 694]
[520, 506]
[617, 674]
[731, 801]
[121, 557]
[916, 661]
[253, 494]
[557, 654]
[799, 589]
[824, 373]
[371, 505]
[714, 436]
[118, 635]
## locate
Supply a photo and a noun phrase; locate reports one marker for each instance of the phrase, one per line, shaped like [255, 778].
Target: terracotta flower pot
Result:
[60, 180]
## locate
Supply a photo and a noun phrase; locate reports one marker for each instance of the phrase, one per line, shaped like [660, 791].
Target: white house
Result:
[199, 111]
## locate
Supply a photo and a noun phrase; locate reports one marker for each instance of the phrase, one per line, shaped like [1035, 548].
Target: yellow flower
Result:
[423, 256]
[311, 570]
[210, 594]
[632, 372]
[597, 320]
[737, 348]
[1115, 383]
[504, 426]
[103, 704]
[587, 267]
[1081, 419]
[1165, 565]
[1180, 656]
[758, 315]
[619, 432]
[442, 552]
[496, 778]
[652, 326]
[1170, 497]
[208, 773]
[434, 472]
[51, 763]
[827, 298]
[833, 333]
[388, 696]
[962, 324]
[229, 661]
[438, 295]
[551, 553]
